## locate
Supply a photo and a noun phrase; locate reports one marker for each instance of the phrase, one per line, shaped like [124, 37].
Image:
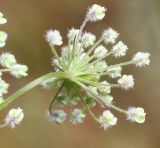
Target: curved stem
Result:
[30, 86]
[99, 98]
[55, 97]
[90, 112]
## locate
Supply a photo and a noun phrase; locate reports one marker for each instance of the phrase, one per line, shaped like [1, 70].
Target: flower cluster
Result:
[10, 65]
[83, 63]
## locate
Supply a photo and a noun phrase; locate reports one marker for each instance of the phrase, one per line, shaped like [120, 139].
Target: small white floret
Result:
[2, 19]
[126, 81]
[3, 38]
[88, 39]
[3, 87]
[14, 117]
[119, 49]
[19, 70]
[77, 116]
[105, 88]
[7, 60]
[107, 119]
[72, 33]
[141, 59]
[58, 116]
[107, 99]
[100, 51]
[114, 72]
[96, 13]
[136, 114]
[54, 37]
[110, 36]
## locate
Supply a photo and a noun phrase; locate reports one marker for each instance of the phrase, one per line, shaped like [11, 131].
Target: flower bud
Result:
[57, 116]
[72, 33]
[126, 81]
[19, 70]
[110, 36]
[7, 60]
[114, 72]
[141, 59]
[53, 37]
[2, 19]
[136, 114]
[77, 116]
[107, 119]
[3, 38]
[88, 39]
[119, 49]
[14, 117]
[96, 13]
[100, 51]
[3, 87]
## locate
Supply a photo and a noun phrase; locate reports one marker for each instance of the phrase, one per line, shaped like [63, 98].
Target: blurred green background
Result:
[138, 23]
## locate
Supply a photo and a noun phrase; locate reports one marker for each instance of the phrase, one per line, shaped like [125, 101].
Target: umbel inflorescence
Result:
[79, 69]
[83, 61]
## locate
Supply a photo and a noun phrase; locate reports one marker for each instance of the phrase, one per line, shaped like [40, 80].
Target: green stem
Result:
[88, 108]
[30, 86]
[99, 98]
[4, 70]
[55, 97]
[122, 64]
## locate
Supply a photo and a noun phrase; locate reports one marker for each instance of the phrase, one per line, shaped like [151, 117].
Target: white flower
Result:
[19, 70]
[100, 51]
[72, 33]
[57, 116]
[107, 99]
[77, 116]
[3, 38]
[119, 49]
[3, 87]
[96, 13]
[7, 59]
[53, 37]
[136, 114]
[88, 39]
[2, 19]
[14, 117]
[106, 88]
[110, 36]
[126, 81]
[141, 59]
[107, 119]
[114, 72]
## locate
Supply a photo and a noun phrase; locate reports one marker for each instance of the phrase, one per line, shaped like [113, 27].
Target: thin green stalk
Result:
[55, 97]
[4, 70]
[122, 64]
[30, 86]
[99, 98]
[88, 108]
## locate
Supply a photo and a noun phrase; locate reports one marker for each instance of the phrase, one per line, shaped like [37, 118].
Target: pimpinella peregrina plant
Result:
[78, 74]
[9, 65]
